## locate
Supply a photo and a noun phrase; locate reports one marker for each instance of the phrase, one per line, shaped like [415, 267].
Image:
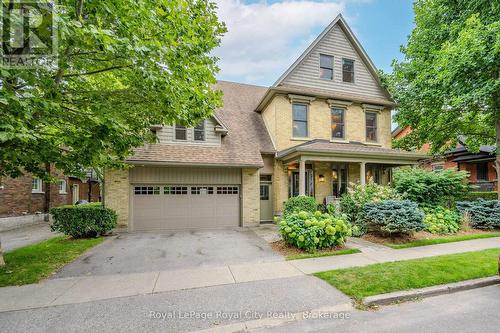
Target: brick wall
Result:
[324, 188]
[278, 119]
[117, 192]
[250, 197]
[16, 197]
[280, 186]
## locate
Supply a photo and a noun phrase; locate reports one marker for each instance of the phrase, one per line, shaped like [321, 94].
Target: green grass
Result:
[322, 254]
[450, 239]
[360, 282]
[32, 263]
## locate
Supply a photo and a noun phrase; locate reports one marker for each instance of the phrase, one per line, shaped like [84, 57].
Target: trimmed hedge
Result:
[83, 221]
[472, 196]
[298, 204]
[394, 216]
[485, 214]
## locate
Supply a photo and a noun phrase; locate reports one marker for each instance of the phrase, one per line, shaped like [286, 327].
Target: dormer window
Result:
[199, 131]
[180, 132]
[326, 67]
[348, 70]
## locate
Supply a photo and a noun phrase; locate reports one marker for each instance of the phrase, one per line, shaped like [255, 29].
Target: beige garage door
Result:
[175, 207]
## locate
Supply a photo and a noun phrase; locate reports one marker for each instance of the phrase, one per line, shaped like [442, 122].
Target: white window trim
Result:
[40, 185]
[65, 184]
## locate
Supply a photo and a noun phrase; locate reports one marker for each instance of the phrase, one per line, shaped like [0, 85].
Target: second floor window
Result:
[299, 120]
[347, 70]
[199, 132]
[326, 67]
[371, 126]
[337, 123]
[180, 132]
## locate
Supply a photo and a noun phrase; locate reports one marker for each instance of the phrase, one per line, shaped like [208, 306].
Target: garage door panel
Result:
[186, 207]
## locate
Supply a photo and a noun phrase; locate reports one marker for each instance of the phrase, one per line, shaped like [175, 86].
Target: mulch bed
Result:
[287, 250]
[402, 239]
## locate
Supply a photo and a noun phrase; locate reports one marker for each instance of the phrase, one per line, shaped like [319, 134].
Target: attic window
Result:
[326, 67]
[180, 132]
[199, 131]
[348, 70]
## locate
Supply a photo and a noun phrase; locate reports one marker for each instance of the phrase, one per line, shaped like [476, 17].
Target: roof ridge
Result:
[242, 84]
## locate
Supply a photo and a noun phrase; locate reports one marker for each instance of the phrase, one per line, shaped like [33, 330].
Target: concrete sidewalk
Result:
[380, 254]
[93, 288]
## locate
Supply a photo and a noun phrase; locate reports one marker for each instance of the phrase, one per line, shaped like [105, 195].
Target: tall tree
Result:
[448, 84]
[122, 66]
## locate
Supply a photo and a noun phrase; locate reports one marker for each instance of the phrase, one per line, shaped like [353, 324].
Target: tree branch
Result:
[97, 71]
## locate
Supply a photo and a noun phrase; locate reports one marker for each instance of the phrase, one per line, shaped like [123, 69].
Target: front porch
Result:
[324, 170]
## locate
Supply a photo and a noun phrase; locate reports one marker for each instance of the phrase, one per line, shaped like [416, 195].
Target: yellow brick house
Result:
[325, 123]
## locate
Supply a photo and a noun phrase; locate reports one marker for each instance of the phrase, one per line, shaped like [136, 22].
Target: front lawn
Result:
[32, 263]
[446, 239]
[359, 282]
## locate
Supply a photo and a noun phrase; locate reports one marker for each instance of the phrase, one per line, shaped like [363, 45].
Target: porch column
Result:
[362, 173]
[302, 177]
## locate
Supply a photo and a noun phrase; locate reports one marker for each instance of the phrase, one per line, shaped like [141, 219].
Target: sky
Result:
[265, 37]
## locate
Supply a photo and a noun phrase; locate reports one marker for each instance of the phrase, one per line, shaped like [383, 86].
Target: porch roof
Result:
[348, 152]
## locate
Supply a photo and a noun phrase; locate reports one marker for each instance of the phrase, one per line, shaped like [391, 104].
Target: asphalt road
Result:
[475, 310]
[179, 311]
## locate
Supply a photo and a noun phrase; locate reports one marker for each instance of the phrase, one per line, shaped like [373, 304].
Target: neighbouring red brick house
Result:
[481, 165]
[30, 195]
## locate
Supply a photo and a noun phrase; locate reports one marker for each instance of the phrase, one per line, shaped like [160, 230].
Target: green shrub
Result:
[353, 202]
[300, 203]
[394, 216]
[440, 220]
[472, 196]
[83, 221]
[484, 214]
[431, 188]
[311, 231]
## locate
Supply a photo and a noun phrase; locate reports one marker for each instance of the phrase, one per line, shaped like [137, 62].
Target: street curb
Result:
[400, 296]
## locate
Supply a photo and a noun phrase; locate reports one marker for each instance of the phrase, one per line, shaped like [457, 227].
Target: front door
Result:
[266, 202]
[339, 179]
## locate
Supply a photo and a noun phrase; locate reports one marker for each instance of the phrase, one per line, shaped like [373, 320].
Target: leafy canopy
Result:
[448, 83]
[123, 65]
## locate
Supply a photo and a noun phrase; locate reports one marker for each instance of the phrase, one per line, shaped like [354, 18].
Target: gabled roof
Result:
[354, 41]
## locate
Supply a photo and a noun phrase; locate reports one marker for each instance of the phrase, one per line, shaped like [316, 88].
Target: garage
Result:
[168, 198]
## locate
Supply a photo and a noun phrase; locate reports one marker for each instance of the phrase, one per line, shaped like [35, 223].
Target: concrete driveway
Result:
[146, 252]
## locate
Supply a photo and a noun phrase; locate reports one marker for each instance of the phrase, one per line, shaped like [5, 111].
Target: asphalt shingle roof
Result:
[319, 145]
[246, 139]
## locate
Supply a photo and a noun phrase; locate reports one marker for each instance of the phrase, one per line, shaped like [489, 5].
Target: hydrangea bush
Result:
[441, 220]
[312, 231]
